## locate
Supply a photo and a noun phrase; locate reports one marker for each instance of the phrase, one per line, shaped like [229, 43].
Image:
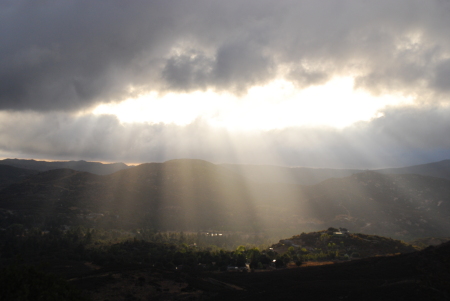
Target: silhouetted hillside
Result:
[92, 167]
[198, 195]
[254, 173]
[178, 194]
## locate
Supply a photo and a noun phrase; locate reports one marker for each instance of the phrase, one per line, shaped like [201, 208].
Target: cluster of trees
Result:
[171, 250]
[318, 254]
[109, 247]
[191, 252]
[326, 245]
[210, 241]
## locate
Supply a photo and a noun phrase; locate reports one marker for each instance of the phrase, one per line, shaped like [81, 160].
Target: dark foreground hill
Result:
[121, 265]
[421, 275]
[197, 195]
[92, 167]
[134, 270]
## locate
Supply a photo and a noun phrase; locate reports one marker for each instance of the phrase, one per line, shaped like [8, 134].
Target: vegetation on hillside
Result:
[195, 195]
[332, 244]
[77, 252]
[75, 224]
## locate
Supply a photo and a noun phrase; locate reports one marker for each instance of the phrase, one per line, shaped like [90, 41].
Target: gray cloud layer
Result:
[59, 57]
[402, 137]
[67, 55]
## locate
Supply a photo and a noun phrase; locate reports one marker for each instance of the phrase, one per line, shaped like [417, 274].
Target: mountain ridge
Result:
[10, 174]
[311, 176]
[81, 165]
[191, 195]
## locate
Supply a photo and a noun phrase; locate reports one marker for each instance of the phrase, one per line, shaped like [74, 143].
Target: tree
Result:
[240, 249]
[291, 250]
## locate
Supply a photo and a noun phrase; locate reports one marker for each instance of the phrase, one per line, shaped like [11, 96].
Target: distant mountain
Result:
[290, 175]
[310, 176]
[178, 194]
[10, 175]
[388, 205]
[192, 195]
[92, 167]
[254, 173]
[439, 169]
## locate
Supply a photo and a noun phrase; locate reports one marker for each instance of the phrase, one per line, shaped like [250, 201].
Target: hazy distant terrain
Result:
[92, 167]
[309, 176]
[291, 175]
[439, 169]
[193, 195]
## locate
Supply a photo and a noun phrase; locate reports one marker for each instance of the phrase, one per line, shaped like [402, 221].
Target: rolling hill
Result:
[11, 174]
[363, 245]
[193, 195]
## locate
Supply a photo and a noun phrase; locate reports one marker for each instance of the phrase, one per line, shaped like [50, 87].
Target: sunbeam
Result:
[279, 104]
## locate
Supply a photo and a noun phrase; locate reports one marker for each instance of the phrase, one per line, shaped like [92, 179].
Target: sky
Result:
[332, 83]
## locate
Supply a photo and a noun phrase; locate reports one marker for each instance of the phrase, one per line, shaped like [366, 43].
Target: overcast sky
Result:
[343, 83]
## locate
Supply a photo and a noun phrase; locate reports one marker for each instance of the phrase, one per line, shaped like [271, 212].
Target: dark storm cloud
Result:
[235, 67]
[186, 71]
[67, 55]
[402, 137]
